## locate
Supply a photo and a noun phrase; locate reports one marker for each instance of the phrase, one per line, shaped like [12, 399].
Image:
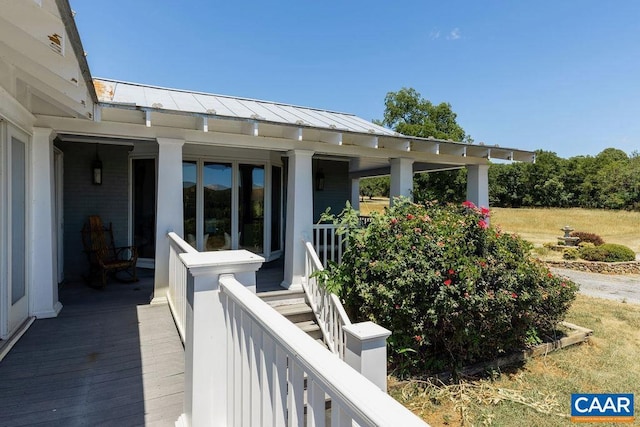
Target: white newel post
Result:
[169, 210]
[401, 178]
[355, 193]
[478, 184]
[43, 296]
[366, 351]
[205, 371]
[299, 215]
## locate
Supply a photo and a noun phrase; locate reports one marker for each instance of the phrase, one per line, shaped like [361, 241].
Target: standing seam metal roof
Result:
[158, 98]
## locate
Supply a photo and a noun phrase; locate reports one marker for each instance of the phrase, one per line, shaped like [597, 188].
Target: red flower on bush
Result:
[451, 272]
[483, 224]
[468, 204]
[394, 220]
[564, 285]
[410, 216]
[514, 295]
[447, 282]
[418, 338]
[484, 211]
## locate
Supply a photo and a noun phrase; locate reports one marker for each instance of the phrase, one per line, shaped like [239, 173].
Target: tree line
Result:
[609, 180]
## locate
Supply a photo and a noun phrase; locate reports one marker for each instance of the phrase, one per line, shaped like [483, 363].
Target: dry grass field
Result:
[539, 392]
[543, 225]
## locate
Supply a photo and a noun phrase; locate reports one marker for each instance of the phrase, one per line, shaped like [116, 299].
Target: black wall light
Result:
[320, 180]
[96, 169]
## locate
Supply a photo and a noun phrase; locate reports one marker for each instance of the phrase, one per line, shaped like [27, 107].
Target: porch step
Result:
[311, 328]
[283, 297]
[293, 306]
[299, 312]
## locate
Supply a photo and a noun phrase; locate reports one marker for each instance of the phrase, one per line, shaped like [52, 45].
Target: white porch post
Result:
[299, 215]
[355, 193]
[401, 178]
[478, 184]
[366, 351]
[43, 295]
[206, 366]
[169, 213]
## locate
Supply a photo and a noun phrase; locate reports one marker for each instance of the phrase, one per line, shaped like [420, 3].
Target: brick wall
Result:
[81, 198]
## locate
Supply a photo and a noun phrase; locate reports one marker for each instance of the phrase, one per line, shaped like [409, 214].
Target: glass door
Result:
[225, 206]
[17, 173]
[251, 207]
[217, 188]
[144, 210]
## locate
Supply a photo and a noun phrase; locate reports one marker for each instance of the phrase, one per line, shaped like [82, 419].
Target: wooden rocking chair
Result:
[103, 256]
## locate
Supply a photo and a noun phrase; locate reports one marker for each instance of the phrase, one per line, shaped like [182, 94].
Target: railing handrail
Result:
[356, 395]
[326, 306]
[180, 243]
[177, 290]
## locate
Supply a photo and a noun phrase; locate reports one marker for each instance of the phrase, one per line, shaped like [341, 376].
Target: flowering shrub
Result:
[451, 288]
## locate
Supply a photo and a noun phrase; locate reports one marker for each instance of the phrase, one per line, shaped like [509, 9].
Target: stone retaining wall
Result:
[632, 267]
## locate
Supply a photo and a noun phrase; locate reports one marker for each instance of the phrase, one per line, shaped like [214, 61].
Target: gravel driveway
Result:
[617, 288]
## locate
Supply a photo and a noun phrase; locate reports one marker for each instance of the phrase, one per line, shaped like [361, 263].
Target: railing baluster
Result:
[315, 404]
[280, 387]
[267, 383]
[256, 373]
[295, 403]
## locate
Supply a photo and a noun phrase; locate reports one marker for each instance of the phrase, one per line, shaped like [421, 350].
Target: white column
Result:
[366, 351]
[205, 352]
[478, 184]
[169, 211]
[43, 293]
[355, 193]
[299, 215]
[401, 178]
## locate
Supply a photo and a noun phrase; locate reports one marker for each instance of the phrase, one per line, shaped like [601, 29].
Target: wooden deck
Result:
[109, 358]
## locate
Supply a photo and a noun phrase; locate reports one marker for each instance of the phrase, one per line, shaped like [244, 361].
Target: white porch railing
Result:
[246, 365]
[177, 293]
[329, 245]
[268, 360]
[326, 306]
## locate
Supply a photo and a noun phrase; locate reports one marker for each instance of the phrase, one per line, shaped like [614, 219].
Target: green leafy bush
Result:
[588, 237]
[609, 252]
[570, 253]
[452, 289]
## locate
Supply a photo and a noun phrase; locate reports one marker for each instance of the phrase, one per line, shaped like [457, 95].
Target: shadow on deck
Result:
[109, 358]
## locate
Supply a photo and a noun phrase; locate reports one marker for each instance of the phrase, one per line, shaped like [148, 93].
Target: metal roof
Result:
[174, 100]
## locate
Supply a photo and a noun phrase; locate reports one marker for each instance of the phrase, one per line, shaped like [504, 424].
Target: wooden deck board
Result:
[109, 358]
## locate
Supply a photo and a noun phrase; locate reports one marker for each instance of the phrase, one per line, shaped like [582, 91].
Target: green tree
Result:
[375, 187]
[408, 113]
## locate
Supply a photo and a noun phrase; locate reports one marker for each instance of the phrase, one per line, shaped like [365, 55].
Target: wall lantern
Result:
[320, 180]
[96, 169]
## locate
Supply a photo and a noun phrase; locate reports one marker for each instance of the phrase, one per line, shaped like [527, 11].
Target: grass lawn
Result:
[539, 393]
[539, 226]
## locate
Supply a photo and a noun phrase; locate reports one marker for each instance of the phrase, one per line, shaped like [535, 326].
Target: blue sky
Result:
[562, 76]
